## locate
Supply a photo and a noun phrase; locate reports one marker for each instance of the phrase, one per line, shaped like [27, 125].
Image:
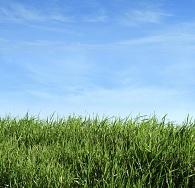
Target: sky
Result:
[86, 57]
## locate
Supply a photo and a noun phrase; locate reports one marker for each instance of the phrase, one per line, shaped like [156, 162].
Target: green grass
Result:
[92, 152]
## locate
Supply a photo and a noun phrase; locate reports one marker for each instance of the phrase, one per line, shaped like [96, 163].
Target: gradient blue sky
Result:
[113, 57]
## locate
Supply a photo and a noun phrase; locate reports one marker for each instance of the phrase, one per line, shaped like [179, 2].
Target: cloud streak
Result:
[17, 12]
[143, 15]
[164, 53]
[100, 16]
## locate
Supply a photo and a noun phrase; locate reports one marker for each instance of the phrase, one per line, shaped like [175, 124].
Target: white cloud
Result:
[166, 39]
[138, 16]
[17, 12]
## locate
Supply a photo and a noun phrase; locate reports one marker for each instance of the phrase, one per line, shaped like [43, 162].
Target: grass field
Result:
[93, 152]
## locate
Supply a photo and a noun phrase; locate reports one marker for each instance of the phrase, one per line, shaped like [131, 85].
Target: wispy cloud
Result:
[164, 53]
[136, 17]
[98, 16]
[168, 38]
[17, 12]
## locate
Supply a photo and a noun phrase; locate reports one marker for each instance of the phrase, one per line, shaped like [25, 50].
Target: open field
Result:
[92, 152]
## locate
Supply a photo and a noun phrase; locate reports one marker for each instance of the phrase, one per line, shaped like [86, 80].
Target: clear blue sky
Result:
[113, 57]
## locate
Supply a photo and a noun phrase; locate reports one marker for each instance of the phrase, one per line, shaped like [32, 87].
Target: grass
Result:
[92, 152]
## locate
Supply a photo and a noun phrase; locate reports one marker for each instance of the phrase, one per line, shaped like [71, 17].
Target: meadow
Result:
[91, 152]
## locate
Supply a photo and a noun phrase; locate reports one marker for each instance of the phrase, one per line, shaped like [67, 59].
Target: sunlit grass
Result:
[93, 152]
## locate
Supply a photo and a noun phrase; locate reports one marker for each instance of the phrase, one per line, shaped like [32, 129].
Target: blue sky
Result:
[116, 57]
